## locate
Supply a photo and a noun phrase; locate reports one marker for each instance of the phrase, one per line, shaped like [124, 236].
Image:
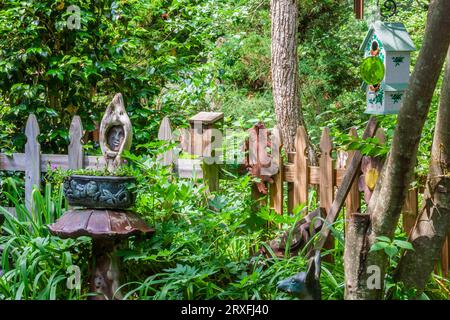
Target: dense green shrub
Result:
[134, 47]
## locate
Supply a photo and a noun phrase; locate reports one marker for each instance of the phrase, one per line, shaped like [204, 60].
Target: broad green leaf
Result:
[404, 244]
[383, 238]
[378, 246]
[391, 250]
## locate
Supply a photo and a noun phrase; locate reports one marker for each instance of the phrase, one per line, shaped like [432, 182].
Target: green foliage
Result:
[390, 247]
[134, 47]
[34, 263]
[369, 147]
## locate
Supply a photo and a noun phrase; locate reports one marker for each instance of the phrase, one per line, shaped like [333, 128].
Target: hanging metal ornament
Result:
[388, 8]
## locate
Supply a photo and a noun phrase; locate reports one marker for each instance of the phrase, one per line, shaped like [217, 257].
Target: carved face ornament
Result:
[115, 137]
[115, 132]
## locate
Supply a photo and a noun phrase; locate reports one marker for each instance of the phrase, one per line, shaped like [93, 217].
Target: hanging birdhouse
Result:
[385, 69]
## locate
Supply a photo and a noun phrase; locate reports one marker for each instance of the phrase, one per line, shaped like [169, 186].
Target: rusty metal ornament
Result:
[115, 132]
[257, 156]
[299, 238]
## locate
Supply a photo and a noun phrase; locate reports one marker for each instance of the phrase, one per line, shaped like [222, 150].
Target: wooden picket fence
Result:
[299, 176]
[33, 162]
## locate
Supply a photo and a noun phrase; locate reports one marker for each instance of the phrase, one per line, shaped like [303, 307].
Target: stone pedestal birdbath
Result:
[99, 205]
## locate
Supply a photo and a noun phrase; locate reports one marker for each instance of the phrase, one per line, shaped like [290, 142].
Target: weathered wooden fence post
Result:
[353, 201]
[326, 188]
[301, 168]
[75, 150]
[205, 143]
[165, 134]
[210, 164]
[290, 185]
[276, 188]
[33, 158]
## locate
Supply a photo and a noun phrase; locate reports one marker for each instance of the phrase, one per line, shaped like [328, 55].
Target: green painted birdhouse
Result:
[391, 43]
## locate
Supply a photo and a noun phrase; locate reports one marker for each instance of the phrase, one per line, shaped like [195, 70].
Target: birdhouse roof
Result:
[393, 36]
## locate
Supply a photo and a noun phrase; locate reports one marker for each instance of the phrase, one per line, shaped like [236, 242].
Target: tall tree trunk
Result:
[389, 195]
[433, 222]
[285, 82]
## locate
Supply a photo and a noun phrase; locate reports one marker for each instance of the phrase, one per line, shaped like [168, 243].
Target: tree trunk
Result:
[432, 225]
[354, 252]
[284, 68]
[389, 195]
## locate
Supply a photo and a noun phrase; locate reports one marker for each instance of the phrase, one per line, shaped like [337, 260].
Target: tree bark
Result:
[355, 242]
[284, 68]
[432, 225]
[389, 195]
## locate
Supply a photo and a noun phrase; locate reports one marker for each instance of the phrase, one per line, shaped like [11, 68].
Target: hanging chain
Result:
[388, 9]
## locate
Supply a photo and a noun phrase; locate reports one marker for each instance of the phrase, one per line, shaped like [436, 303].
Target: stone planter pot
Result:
[99, 192]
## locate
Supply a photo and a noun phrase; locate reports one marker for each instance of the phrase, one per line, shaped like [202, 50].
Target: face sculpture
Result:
[115, 137]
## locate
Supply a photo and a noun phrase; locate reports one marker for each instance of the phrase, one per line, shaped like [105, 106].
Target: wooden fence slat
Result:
[380, 136]
[15, 162]
[165, 134]
[353, 201]
[301, 168]
[445, 258]
[33, 158]
[314, 174]
[326, 189]
[276, 188]
[290, 185]
[185, 139]
[410, 210]
[209, 166]
[75, 150]
[196, 138]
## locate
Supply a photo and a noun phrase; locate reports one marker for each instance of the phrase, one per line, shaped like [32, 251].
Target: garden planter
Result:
[99, 192]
